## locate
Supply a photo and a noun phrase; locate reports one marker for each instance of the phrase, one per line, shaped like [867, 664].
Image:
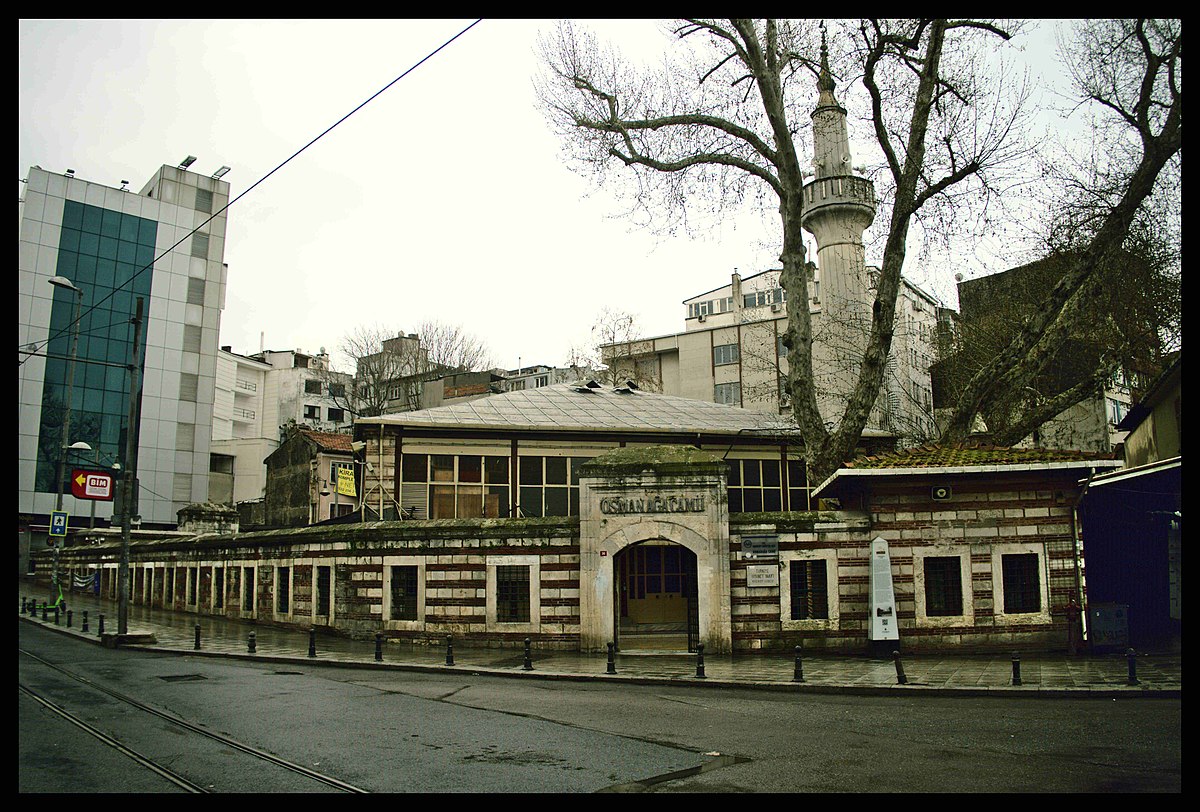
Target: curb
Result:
[911, 689]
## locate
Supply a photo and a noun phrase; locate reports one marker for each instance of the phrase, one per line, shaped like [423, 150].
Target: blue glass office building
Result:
[164, 244]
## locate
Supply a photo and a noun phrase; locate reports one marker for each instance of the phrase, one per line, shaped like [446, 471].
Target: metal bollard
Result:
[900, 678]
[24, 606]
[378, 647]
[252, 643]
[1016, 666]
[1131, 662]
[197, 644]
[449, 650]
[100, 628]
[612, 662]
[312, 641]
[69, 614]
[55, 615]
[700, 661]
[45, 611]
[33, 608]
[798, 671]
[528, 665]
[85, 623]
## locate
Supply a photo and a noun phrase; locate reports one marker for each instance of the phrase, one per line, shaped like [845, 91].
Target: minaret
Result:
[838, 208]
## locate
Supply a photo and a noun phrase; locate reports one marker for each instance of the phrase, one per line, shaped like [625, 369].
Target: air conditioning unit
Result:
[701, 317]
[775, 308]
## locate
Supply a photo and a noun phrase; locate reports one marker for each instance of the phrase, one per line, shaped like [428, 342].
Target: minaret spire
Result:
[825, 78]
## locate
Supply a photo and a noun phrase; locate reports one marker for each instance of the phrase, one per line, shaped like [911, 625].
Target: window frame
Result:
[290, 566]
[922, 617]
[385, 608]
[831, 623]
[1020, 618]
[535, 602]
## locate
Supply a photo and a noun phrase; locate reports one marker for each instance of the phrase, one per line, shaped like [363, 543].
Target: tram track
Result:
[173, 720]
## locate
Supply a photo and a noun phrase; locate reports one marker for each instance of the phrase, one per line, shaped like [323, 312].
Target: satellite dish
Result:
[958, 277]
[845, 159]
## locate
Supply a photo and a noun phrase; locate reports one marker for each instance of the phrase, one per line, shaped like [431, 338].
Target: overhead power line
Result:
[25, 347]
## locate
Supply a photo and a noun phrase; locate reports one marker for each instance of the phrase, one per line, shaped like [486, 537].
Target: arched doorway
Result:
[656, 600]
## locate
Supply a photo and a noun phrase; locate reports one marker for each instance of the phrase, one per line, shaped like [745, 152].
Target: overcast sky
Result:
[443, 199]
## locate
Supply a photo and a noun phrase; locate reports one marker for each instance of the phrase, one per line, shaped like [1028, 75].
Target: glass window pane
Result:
[556, 470]
[470, 469]
[496, 469]
[414, 468]
[531, 470]
[556, 502]
[441, 468]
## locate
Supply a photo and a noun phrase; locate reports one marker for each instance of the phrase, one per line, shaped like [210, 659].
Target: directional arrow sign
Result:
[92, 485]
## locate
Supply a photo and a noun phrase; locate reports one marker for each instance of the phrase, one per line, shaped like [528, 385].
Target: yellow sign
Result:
[345, 482]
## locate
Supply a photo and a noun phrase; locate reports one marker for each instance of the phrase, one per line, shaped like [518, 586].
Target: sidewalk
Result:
[965, 674]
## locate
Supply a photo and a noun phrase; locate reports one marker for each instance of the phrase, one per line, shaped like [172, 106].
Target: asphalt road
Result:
[392, 731]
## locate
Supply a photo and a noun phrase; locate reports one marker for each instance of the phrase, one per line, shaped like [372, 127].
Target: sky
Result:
[443, 199]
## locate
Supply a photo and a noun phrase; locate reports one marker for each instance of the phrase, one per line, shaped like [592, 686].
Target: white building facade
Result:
[165, 245]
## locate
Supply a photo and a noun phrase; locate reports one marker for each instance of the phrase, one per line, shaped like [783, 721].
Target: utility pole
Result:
[130, 480]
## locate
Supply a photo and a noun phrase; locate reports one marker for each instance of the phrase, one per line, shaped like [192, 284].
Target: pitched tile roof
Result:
[935, 456]
[564, 407]
[328, 441]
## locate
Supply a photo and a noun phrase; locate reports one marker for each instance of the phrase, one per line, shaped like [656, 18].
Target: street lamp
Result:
[66, 284]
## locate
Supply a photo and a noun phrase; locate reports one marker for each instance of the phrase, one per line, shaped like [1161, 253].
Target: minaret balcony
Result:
[839, 190]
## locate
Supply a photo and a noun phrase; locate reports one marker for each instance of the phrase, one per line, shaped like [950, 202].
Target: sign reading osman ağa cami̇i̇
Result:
[620, 505]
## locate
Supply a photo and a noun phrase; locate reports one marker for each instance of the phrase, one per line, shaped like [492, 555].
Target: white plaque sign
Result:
[762, 575]
[883, 602]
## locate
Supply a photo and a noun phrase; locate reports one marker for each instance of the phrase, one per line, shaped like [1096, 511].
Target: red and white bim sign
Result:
[91, 485]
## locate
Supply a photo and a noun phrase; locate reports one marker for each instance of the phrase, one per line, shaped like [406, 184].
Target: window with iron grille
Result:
[247, 589]
[512, 594]
[323, 578]
[191, 586]
[218, 587]
[283, 590]
[169, 587]
[810, 596]
[943, 586]
[1022, 584]
[404, 593]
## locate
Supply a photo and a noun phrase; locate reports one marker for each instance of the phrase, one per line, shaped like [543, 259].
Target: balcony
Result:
[839, 190]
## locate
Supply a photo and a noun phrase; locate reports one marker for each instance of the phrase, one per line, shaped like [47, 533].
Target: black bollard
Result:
[449, 650]
[528, 665]
[312, 641]
[612, 662]
[197, 644]
[798, 671]
[45, 611]
[1131, 662]
[900, 678]
[700, 661]
[100, 627]
[55, 615]
[1016, 666]
[85, 623]
[378, 647]
[24, 606]
[33, 608]
[69, 614]
[252, 643]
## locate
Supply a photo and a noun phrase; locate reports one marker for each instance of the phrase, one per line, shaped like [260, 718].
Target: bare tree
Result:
[724, 118]
[620, 353]
[1130, 72]
[391, 365]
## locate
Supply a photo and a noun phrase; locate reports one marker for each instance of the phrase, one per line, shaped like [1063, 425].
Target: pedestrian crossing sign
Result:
[58, 523]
